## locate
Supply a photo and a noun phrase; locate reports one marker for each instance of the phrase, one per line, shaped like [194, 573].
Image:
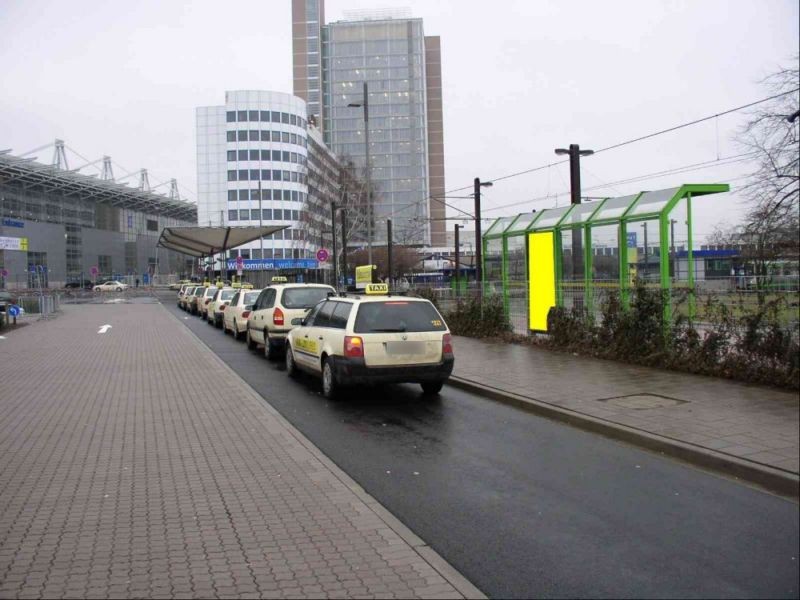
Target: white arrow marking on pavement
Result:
[104, 328]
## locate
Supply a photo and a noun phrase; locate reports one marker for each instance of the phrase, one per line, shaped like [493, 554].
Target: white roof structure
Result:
[205, 241]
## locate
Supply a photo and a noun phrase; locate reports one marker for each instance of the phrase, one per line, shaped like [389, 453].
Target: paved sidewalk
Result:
[751, 423]
[135, 463]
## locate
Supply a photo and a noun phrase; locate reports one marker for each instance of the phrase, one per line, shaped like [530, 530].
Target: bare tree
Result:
[404, 260]
[770, 229]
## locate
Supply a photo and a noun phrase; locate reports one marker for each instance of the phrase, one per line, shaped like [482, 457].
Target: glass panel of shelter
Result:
[652, 203]
[614, 208]
[552, 217]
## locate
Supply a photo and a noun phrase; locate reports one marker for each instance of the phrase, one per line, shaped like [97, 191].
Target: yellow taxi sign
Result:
[246, 286]
[375, 289]
[279, 279]
[236, 285]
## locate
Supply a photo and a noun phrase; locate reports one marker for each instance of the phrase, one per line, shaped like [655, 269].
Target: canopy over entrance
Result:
[205, 241]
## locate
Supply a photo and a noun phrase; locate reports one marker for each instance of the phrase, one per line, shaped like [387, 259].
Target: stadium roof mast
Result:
[108, 171]
[60, 156]
[173, 190]
[144, 181]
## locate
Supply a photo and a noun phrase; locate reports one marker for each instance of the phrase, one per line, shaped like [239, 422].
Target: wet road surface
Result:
[525, 507]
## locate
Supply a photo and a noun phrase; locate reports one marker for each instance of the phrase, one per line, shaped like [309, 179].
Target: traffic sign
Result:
[3, 272]
[94, 270]
[322, 255]
[13, 310]
[239, 263]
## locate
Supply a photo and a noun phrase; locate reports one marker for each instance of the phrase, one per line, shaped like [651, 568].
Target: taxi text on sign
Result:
[377, 289]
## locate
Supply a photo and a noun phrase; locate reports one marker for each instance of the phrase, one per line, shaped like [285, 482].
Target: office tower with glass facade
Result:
[402, 68]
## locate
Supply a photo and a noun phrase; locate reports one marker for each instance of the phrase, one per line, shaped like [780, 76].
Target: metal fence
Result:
[738, 296]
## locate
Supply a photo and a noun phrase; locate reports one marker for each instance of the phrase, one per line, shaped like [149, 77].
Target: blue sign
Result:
[13, 223]
[14, 310]
[273, 264]
[632, 239]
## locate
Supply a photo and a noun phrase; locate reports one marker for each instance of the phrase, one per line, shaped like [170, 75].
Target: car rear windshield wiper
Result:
[389, 330]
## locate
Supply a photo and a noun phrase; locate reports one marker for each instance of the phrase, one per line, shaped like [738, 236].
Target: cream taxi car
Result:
[277, 306]
[237, 312]
[214, 308]
[183, 293]
[192, 300]
[205, 300]
[372, 338]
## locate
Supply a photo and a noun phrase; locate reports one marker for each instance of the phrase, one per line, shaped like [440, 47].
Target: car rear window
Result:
[226, 294]
[397, 315]
[199, 291]
[303, 297]
[251, 297]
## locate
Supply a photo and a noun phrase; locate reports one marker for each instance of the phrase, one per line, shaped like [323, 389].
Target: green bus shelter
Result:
[573, 255]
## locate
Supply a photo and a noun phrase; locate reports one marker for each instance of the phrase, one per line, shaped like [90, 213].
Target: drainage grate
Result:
[643, 401]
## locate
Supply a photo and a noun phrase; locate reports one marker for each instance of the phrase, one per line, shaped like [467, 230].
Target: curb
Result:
[771, 479]
[461, 584]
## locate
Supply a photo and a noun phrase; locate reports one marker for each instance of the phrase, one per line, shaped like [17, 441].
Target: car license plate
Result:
[405, 348]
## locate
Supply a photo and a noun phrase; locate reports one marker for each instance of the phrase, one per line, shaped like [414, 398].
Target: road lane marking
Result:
[104, 328]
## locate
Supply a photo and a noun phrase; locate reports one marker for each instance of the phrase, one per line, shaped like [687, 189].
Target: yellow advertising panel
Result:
[364, 275]
[542, 279]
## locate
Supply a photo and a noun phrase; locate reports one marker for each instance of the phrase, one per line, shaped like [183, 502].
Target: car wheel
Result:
[270, 351]
[97, 289]
[291, 367]
[251, 343]
[119, 289]
[432, 388]
[330, 387]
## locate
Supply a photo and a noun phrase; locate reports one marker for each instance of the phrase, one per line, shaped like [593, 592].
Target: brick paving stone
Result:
[122, 476]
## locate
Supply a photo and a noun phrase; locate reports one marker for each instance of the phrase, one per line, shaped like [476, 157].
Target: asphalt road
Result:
[525, 507]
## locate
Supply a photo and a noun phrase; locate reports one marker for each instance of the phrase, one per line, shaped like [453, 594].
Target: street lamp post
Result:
[478, 241]
[458, 274]
[365, 105]
[575, 154]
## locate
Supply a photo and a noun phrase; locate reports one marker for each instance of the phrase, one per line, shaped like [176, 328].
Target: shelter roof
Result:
[205, 241]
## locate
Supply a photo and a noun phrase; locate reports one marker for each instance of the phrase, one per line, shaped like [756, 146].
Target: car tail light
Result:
[209, 300]
[223, 307]
[246, 314]
[447, 345]
[277, 317]
[353, 346]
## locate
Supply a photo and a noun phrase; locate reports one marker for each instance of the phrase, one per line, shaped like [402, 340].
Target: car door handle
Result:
[306, 337]
[320, 337]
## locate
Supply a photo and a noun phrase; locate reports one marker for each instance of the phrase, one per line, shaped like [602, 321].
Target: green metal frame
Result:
[661, 215]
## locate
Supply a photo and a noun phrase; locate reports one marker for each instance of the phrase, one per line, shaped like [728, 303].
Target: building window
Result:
[267, 253]
[294, 157]
[293, 137]
[254, 135]
[276, 175]
[285, 157]
[264, 135]
[233, 215]
[287, 195]
[230, 116]
[254, 115]
[294, 176]
[242, 135]
[244, 194]
[244, 215]
[267, 214]
[266, 174]
[264, 117]
[231, 175]
[241, 116]
[152, 225]
[285, 137]
[293, 119]
[265, 155]
[285, 118]
[243, 175]
[295, 215]
[276, 136]
[254, 154]
[242, 154]
[254, 174]
[231, 155]
[232, 196]
[266, 194]
[278, 215]
[104, 264]
[276, 117]
[276, 155]
[294, 196]
[231, 136]
[286, 176]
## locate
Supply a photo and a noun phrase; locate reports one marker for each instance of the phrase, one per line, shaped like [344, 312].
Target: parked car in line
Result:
[84, 284]
[372, 339]
[111, 286]
[238, 311]
[182, 294]
[205, 300]
[179, 284]
[276, 307]
[215, 307]
[193, 301]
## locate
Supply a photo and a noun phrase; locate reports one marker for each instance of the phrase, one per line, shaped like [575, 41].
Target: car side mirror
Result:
[303, 321]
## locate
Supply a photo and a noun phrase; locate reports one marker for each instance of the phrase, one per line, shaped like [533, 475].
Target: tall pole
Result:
[369, 174]
[389, 249]
[478, 244]
[333, 233]
[343, 214]
[575, 191]
[458, 261]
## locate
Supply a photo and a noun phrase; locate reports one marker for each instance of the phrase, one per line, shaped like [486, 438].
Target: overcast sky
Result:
[520, 79]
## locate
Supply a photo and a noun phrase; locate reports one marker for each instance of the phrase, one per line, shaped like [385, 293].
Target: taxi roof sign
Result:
[376, 289]
[279, 279]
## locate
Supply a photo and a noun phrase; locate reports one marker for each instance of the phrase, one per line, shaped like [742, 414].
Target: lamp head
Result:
[561, 151]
